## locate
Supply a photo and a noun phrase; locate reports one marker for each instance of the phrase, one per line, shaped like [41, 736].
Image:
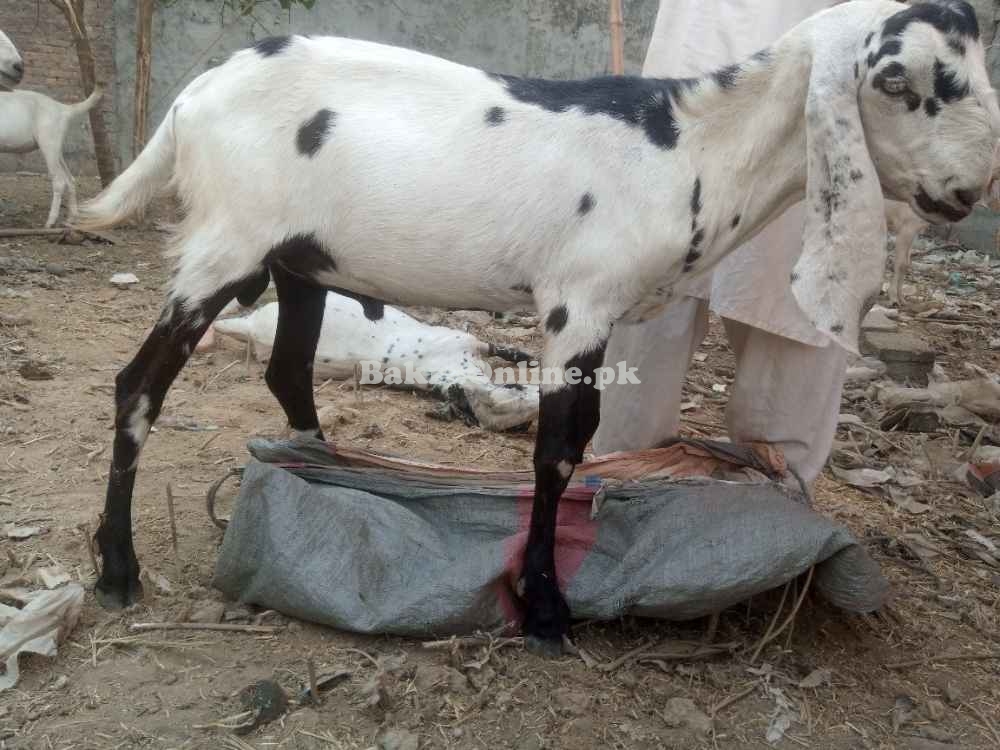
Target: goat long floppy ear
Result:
[843, 246]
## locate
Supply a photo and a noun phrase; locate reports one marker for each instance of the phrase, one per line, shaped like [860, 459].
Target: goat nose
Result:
[968, 198]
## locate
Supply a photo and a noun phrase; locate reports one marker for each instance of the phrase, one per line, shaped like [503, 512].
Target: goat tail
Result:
[82, 108]
[135, 188]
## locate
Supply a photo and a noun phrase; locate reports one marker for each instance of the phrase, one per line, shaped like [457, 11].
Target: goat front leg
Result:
[139, 392]
[568, 415]
[901, 261]
[289, 374]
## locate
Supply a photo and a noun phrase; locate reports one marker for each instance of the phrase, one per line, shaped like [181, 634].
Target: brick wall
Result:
[42, 35]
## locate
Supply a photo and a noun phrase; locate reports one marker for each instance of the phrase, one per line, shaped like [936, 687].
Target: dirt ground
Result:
[108, 688]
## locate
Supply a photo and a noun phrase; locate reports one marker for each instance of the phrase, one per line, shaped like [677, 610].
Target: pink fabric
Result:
[576, 534]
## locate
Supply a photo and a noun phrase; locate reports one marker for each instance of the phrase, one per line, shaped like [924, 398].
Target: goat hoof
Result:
[119, 594]
[545, 648]
[546, 619]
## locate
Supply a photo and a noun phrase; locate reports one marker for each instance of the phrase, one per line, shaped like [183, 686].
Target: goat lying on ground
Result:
[29, 121]
[443, 361]
[11, 64]
[334, 163]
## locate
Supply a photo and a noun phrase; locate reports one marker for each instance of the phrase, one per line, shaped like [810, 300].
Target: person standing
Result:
[789, 376]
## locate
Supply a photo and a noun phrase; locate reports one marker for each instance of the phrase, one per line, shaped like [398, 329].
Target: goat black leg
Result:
[139, 392]
[290, 372]
[567, 418]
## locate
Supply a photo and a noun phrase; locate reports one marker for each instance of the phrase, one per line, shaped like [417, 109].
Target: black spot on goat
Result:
[889, 48]
[585, 205]
[696, 197]
[645, 103]
[557, 319]
[947, 87]
[313, 132]
[272, 45]
[946, 17]
[303, 256]
[726, 77]
[495, 116]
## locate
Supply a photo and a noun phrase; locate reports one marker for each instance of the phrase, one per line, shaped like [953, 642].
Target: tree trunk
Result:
[617, 43]
[143, 63]
[73, 11]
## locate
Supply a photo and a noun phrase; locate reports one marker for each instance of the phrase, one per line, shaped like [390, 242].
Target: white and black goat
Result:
[334, 163]
[11, 64]
[29, 121]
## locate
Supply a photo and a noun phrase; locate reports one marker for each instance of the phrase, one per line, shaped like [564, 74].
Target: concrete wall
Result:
[40, 32]
[553, 38]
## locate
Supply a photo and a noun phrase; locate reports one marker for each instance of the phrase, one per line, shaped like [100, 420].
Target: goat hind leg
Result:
[51, 148]
[58, 186]
[71, 204]
[568, 416]
[289, 374]
[139, 392]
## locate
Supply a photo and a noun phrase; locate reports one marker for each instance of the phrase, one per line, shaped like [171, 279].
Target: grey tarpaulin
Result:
[382, 550]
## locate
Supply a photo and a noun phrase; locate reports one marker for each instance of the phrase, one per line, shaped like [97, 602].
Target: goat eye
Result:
[895, 85]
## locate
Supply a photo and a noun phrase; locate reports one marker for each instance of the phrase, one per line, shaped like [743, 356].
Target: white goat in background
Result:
[29, 121]
[398, 176]
[11, 64]
[905, 225]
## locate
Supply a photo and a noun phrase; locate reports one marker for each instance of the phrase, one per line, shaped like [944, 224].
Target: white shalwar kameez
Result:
[789, 376]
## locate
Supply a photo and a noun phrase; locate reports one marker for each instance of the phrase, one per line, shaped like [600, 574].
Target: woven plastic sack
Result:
[373, 545]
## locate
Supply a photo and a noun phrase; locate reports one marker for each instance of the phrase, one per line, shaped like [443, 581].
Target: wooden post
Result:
[617, 42]
[143, 69]
[73, 10]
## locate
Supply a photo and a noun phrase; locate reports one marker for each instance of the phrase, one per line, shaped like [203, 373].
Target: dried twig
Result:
[88, 541]
[687, 650]
[635, 653]
[770, 625]
[313, 689]
[51, 232]
[173, 530]
[209, 441]
[218, 375]
[971, 455]
[365, 654]
[944, 657]
[726, 702]
[573, 650]
[982, 717]
[472, 641]
[137, 627]
[769, 636]
[227, 722]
